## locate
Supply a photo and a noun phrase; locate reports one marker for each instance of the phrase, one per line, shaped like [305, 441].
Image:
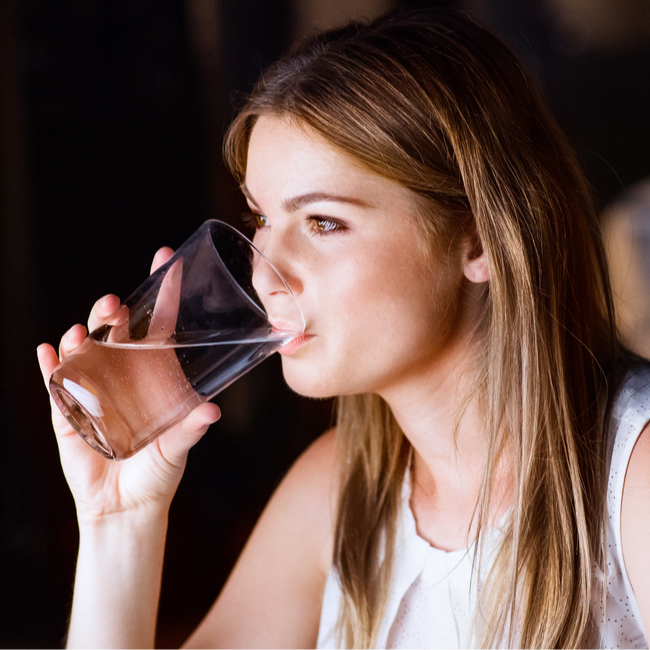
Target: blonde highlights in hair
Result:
[435, 103]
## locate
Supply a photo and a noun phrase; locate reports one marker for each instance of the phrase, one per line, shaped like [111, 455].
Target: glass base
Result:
[81, 421]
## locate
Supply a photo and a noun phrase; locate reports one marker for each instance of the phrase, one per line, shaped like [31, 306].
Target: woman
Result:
[426, 211]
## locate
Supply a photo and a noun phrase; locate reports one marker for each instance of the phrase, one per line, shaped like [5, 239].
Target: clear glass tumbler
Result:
[192, 328]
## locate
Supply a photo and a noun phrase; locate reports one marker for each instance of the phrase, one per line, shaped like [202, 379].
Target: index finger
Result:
[47, 360]
[162, 255]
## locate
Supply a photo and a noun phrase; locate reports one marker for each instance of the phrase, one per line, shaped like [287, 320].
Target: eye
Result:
[254, 221]
[324, 226]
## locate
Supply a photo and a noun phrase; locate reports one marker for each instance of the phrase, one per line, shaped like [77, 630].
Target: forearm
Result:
[117, 583]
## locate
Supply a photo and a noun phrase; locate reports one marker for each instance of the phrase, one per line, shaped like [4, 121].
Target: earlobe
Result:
[475, 263]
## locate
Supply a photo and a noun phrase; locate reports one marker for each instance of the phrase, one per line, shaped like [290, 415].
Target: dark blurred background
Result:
[111, 119]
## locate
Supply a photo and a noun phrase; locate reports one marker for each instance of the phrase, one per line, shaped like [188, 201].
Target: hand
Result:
[145, 482]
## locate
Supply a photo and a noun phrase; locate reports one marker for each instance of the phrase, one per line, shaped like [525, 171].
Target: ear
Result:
[475, 263]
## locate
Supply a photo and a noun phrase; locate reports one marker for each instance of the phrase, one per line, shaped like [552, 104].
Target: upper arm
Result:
[635, 523]
[273, 596]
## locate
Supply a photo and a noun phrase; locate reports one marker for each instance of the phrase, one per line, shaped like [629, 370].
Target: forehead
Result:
[279, 141]
[289, 157]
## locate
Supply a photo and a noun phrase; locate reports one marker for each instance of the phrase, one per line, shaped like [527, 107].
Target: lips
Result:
[294, 344]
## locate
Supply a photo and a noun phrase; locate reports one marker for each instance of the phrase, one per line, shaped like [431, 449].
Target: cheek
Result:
[382, 309]
[383, 287]
[374, 318]
[355, 301]
[417, 310]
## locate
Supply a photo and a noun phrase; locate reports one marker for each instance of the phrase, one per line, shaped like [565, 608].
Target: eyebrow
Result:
[296, 202]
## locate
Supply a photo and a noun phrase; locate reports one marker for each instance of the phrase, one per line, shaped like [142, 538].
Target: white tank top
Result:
[433, 592]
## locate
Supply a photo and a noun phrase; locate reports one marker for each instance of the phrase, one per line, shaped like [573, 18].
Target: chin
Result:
[308, 384]
[310, 389]
[319, 385]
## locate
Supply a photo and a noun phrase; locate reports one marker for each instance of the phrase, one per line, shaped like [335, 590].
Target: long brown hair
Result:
[434, 102]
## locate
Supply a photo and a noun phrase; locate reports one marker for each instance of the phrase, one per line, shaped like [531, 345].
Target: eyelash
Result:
[321, 226]
[252, 221]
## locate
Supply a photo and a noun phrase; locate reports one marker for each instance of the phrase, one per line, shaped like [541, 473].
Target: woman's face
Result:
[379, 311]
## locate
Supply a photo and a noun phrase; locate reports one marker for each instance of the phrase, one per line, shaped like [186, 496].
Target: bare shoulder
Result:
[273, 596]
[635, 522]
[315, 468]
[306, 499]
[639, 462]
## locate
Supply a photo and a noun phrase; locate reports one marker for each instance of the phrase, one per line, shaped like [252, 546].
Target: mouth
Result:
[294, 344]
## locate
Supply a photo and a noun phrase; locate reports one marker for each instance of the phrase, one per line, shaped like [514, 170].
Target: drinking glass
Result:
[192, 328]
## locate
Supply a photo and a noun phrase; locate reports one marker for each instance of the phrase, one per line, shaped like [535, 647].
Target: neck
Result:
[441, 418]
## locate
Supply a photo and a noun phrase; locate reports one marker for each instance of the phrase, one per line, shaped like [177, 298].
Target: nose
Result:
[276, 282]
[281, 253]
